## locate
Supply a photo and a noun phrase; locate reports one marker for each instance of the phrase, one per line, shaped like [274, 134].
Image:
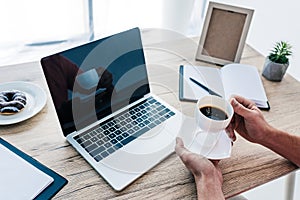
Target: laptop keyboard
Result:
[123, 128]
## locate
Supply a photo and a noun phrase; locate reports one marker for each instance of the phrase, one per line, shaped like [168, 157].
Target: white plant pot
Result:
[274, 71]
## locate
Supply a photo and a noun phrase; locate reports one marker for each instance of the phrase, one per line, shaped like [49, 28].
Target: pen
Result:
[204, 87]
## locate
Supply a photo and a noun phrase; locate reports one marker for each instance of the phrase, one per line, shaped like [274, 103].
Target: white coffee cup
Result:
[213, 114]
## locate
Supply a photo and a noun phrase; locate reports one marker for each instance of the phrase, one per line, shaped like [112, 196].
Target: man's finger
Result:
[179, 148]
[215, 162]
[245, 102]
[239, 108]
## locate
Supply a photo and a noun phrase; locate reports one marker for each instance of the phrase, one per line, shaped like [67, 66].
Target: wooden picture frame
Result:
[224, 33]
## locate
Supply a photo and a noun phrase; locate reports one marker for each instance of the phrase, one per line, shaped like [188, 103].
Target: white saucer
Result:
[219, 150]
[36, 100]
[193, 141]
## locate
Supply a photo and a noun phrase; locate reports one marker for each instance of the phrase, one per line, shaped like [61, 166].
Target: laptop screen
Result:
[91, 81]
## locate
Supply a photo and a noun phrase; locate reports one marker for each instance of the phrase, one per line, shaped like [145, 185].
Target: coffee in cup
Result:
[213, 114]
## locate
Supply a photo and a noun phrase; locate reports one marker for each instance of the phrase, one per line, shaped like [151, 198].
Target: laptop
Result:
[106, 110]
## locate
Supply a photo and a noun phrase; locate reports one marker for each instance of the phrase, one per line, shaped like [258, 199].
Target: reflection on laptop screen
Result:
[91, 81]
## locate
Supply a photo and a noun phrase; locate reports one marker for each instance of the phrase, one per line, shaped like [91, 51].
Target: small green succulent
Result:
[281, 52]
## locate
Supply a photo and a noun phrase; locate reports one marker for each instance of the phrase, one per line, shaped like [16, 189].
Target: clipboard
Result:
[59, 181]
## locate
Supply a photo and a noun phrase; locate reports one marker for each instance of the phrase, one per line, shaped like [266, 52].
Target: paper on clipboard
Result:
[18, 175]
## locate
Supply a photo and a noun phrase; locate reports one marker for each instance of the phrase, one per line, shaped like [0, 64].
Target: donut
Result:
[12, 101]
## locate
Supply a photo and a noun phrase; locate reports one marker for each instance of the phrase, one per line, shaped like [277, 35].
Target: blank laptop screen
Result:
[91, 81]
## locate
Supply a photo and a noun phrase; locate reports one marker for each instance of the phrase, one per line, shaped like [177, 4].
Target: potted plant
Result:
[277, 62]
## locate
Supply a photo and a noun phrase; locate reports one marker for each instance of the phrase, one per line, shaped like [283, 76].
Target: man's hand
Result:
[207, 174]
[248, 121]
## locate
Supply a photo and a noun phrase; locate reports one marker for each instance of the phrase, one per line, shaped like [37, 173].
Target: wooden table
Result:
[250, 165]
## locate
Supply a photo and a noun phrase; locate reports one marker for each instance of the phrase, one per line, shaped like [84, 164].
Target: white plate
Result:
[36, 100]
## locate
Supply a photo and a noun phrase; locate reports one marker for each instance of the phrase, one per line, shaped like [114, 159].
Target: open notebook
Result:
[238, 79]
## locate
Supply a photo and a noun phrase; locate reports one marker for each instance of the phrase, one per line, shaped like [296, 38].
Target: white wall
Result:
[273, 21]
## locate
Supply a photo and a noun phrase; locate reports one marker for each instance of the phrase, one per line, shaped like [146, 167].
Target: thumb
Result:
[239, 108]
[179, 148]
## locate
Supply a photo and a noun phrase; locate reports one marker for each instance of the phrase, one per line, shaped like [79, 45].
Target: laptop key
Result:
[160, 107]
[141, 125]
[125, 135]
[100, 135]
[105, 139]
[114, 141]
[86, 143]
[98, 158]
[157, 122]
[127, 140]
[128, 126]
[131, 112]
[104, 127]
[121, 117]
[111, 150]
[119, 145]
[91, 147]
[106, 132]
[93, 133]
[130, 131]
[86, 137]
[107, 145]
[78, 139]
[94, 139]
[111, 123]
[151, 101]
[97, 151]
[161, 113]
[157, 103]
[152, 125]
[112, 135]
[99, 130]
[119, 138]
[104, 154]
[123, 129]
[136, 128]
[100, 142]
[141, 132]
[167, 116]
[112, 129]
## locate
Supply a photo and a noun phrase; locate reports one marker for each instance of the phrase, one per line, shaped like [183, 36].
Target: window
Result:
[32, 29]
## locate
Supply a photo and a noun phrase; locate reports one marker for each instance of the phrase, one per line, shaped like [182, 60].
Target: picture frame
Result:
[224, 33]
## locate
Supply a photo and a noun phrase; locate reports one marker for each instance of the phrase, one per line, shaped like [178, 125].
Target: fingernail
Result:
[234, 102]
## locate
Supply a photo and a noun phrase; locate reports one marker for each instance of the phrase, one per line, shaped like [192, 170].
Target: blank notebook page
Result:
[19, 179]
